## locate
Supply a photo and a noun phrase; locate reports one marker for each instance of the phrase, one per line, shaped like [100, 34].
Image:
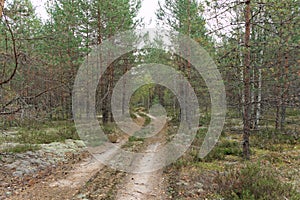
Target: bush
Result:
[253, 182]
[222, 149]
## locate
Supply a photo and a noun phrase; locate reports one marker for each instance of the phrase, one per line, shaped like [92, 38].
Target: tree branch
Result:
[15, 54]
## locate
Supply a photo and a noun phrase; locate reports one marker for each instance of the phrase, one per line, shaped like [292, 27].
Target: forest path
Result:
[145, 185]
[63, 185]
[67, 181]
[116, 185]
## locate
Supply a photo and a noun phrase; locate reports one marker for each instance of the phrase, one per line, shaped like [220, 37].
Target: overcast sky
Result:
[147, 11]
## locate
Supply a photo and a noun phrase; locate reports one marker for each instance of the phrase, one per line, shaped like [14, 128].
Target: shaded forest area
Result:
[254, 43]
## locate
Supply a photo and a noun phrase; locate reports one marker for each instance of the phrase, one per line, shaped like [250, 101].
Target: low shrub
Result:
[270, 139]
[222, 149]
[47, 135]
[109, 128]
[253, 181]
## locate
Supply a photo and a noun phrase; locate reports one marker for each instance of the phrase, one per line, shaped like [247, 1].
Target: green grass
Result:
[293, 112]
[47, 133]
[222, 149]
[109, 128]
[134, 139]
[21, 148]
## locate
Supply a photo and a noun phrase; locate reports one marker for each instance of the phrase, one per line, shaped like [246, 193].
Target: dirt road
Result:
[90, 179]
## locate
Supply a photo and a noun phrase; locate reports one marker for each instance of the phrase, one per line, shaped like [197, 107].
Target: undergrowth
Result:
[272, 140]
[47, 133]
[21, 148]
[253, 182]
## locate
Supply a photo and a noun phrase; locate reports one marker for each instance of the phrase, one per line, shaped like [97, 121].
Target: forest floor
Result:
[65, 170]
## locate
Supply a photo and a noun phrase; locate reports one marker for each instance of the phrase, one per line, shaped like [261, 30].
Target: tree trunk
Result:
[259, 75]
[187, 92]
[279, 95]
[103, 79]
[285, 92]
[241, 65]
[247, 106]
[258, 80]
[253, 97]
[258, 109]
[111, 87]
[1, 7]
[126, 63]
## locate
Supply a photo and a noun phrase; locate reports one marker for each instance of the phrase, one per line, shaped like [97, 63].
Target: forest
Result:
[47, 151]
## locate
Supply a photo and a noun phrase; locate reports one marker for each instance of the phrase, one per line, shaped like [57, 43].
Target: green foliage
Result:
[132, 115]
[271, 139]
[222, 149]
[180, 163]
[146, 117]
[21, 148]
[109, 128]
[204, 120]
[147, 121]
[45, 134]
[186, 17]
[135, 139]
[293, 112]
[253, 181]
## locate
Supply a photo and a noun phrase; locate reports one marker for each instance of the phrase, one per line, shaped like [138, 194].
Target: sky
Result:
[40, 8]
[147, 11]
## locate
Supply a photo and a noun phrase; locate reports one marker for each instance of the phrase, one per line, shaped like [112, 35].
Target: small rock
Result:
[25, 163]
[199, 185]
[31, 154]
[8, 193]
[8, 160]
[81, 196]
[36, 161]
[13, 165]
[19, 155]
[18, 174]
[4, 184]
[182, 183]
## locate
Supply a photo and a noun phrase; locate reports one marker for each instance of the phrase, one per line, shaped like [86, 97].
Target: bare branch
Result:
[15, 54]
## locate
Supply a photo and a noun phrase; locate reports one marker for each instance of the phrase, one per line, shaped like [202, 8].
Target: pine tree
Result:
[1, 7]
[20, 29]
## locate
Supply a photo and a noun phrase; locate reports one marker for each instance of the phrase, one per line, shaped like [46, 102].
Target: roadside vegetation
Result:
[272, 172]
